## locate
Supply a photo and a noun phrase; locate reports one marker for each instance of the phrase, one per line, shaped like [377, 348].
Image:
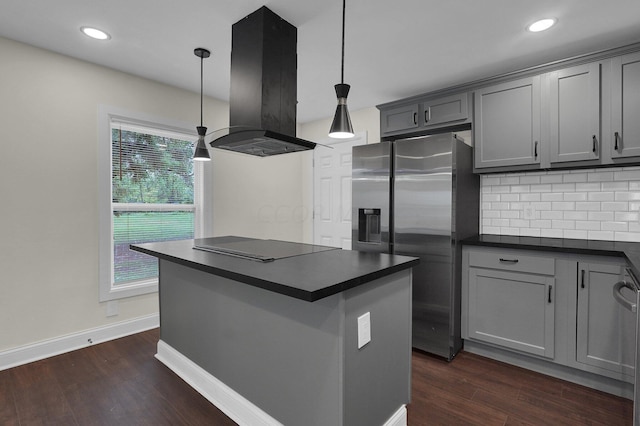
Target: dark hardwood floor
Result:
[121, 383]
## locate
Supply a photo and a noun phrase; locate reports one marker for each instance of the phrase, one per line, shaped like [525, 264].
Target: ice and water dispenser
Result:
[369, 226]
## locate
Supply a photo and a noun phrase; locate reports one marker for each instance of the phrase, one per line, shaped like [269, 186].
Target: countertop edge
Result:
[309, 296]
[608, 248]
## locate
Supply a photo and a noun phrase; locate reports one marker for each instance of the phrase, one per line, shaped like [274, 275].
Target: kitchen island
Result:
[275, 338]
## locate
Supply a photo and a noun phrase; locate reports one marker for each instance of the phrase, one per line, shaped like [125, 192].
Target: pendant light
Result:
[201, 153]
[341, 127]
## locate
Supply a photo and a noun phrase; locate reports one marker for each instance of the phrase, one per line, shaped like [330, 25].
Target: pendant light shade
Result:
[341, 127]
[201, 153]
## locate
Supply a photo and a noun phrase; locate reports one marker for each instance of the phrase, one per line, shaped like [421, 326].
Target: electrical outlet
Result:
[364, 329]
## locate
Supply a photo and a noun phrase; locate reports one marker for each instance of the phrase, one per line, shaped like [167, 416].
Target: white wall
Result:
[48, 187]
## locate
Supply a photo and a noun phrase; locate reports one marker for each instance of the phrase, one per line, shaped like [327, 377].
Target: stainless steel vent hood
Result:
[262, 104]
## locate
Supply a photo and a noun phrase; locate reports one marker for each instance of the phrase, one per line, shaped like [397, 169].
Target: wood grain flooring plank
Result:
[8, 413]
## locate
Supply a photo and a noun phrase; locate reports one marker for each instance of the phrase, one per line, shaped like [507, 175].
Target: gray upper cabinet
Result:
[603, 326]
[399, 119]
[421, 115]
[625, 106]
[574, 114]
[450, 109]
[507, 124]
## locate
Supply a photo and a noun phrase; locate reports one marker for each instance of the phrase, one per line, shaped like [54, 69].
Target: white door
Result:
[332, 192]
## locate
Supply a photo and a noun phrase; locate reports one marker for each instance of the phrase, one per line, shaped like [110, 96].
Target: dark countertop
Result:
[628, 250]
[309, 277]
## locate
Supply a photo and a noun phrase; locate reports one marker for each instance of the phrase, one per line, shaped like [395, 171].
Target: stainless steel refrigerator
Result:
[419, 197]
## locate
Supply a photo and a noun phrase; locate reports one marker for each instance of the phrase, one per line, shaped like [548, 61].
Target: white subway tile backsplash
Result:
[491, 197]
[530, 232]
[551, 233]
[572, 215]
[540, 188]
[600, 176]
[550, 196]
[588, 205]
[572, 233]
[614, 206]
[547, 214]
[563, 187]
[510, 180]
[551, 178]
[510, 197]
[574, 177]
[529, 179]
[616, 186]
[563, 205]
[587, 186]
[600, 235]
[563, 224]
[601, 204]
[600, 216]
[575, 196]
[600, 196]
[627, 196]
[588, 225]
[615, 226]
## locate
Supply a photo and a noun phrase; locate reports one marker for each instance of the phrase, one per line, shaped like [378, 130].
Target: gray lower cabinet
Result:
[507, 124]
[625, 106]
[549, 311]
[603, 326]
[574, 114]
[511, 301]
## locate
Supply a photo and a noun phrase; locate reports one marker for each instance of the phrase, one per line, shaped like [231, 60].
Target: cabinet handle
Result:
[415, 118]
[535, 149]
[427, 115]
[616, 136]
[549, 295]
[595, 143]
[582, 279]
[509, 260]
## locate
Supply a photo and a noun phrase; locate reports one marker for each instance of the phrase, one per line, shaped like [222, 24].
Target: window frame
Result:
[134, 120]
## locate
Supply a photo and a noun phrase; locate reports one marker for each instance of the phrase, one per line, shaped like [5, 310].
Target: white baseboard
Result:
[399, 418]
[234, 405]
[59, 345]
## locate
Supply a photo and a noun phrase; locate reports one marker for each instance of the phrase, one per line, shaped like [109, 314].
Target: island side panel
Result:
[281, 353]
[378, 375]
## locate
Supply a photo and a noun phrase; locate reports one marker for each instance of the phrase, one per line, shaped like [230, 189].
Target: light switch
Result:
[364, 329]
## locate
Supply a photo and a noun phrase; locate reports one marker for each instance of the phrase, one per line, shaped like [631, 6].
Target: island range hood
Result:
[262, 104]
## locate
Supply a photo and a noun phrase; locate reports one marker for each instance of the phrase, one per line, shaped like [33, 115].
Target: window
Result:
[149, 191]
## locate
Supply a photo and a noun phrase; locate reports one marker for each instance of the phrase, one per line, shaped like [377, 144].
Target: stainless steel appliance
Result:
[419, 197]
[631, 284]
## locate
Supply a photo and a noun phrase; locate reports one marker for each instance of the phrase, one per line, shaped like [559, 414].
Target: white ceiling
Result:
[394, 48]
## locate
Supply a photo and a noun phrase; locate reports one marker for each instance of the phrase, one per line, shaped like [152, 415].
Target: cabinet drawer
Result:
[512, 261]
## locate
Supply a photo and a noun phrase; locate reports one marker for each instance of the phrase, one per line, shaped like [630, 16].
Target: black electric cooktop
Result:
[254, 249]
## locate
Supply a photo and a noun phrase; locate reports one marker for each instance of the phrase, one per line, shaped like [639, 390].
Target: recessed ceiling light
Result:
[95, 33]
[542, 24]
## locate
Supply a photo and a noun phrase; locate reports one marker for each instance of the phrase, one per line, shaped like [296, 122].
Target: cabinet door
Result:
[625, 106]
[513, 310]
[574, 114]
[445, 110]
[398, 119]
[605, 330]
[507, 124]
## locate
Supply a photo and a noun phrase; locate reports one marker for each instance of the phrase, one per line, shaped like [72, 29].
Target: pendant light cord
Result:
[201, 84]
[344, 6]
